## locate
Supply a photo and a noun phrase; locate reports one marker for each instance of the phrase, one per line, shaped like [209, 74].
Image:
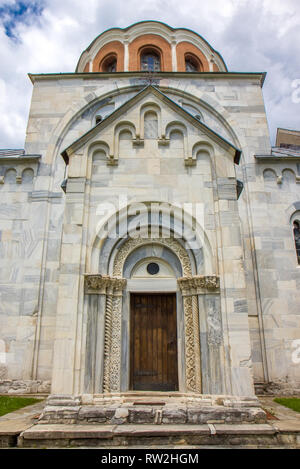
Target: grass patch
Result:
[290, 402]
[10, 404]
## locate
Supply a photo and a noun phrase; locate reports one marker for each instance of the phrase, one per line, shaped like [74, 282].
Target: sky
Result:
[48, 36]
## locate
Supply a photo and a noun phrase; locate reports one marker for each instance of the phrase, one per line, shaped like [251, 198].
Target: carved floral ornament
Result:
[102, 284]
[191, 285]
[198, 284]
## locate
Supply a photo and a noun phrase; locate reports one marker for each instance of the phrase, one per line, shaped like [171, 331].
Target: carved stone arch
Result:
[104, 242]
[288, 176]
[113, 320]
[271, 178]
[10, 176]
[176, 126]
[124, 126]
[160, 253]
[61, 130]
[27, 176]
[106, 62]
[269, 174]
[132, 244]
[111, 283]
[98, 150]
[292, 209]
[144, 109]
[206, 148]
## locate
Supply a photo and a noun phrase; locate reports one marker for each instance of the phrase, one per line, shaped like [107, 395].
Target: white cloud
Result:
[251, 36]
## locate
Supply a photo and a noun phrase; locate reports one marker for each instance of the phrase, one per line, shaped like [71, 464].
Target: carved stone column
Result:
[191, 287]
[112, 287]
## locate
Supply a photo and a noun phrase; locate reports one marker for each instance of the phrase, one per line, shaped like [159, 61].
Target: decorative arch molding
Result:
[59, 133]
[185, 48]
[112, 286]
[132, 244]
[144, 109]
[291, 210]
[177, 126]
[280, 176]
[99, 146]
[289, 175]
[124, 126]
[208, 149]
[75, 112]
[107, 61]
[140, 257]
[113, 48]
[153, 50]
[150, 41]
[192, 237]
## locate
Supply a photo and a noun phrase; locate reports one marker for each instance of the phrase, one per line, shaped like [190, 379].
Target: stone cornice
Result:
[20, 159]
[199, 284]
[275, 158]
[97, 75]
[96, 284]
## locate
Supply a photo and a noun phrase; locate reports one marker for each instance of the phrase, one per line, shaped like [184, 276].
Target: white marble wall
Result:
[62, 110]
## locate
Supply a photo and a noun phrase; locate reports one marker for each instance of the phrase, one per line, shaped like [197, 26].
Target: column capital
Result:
[199, 284]
[96, 284]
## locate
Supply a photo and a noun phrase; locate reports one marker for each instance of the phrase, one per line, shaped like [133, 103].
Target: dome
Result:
[150, 46]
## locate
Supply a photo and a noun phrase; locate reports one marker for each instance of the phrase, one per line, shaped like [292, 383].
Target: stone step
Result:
[150, 413]
[61, 435]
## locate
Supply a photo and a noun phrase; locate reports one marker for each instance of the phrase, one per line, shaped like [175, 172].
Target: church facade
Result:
[148, 230]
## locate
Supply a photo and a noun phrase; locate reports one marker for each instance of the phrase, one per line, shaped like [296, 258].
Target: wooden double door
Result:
[153, 344]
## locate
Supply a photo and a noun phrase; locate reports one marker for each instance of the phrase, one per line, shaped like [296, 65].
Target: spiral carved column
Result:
[112, 288]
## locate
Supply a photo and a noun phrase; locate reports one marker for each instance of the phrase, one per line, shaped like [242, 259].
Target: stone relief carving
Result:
[214, 323]
[115, 350]
[198, 284]
[196, 338]
[133, 243]
[189, 345]
[98, 284]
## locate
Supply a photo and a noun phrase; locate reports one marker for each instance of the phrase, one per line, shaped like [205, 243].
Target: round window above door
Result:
[152, 267]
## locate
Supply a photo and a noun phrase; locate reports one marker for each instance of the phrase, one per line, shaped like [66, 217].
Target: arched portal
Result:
[170, 294]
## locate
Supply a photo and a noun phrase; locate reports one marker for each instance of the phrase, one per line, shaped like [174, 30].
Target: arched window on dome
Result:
[296, 231]
[109, 64]
[192, 63]
[150, 61]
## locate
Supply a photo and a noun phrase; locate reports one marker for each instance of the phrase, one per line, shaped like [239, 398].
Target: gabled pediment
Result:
[120, 117]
